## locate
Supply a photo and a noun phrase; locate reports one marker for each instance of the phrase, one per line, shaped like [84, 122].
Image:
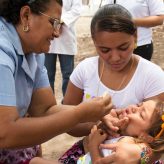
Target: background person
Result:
[115, 70]
[65, 46]
[146, 14]
[26, 28]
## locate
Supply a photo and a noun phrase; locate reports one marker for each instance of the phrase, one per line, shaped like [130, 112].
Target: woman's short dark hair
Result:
[10, 9]
[112, 18]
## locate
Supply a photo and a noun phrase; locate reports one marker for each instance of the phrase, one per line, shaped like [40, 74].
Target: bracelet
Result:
[145, 155]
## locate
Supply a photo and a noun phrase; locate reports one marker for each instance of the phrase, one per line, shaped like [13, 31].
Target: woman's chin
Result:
[44, 50]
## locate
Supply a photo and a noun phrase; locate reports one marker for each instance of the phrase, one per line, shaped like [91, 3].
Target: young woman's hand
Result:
[94, 109]
[96, 137]
[128, 153]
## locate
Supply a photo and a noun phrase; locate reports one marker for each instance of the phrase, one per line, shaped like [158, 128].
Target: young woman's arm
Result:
[74, 96]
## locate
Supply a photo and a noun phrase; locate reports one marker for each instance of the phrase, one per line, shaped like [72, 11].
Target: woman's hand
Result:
[94, 109]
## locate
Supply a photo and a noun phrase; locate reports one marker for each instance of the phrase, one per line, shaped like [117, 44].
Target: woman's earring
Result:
[26, 28]
[135, 45]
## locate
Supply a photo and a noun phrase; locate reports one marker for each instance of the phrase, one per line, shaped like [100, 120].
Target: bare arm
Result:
[149, 21]
[74, 96]
[41, 104]
[46, 122]
[19, 132]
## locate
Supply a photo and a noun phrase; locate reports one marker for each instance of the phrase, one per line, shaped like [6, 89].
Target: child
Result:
[97, 136]
[144, 117]
[144, 122]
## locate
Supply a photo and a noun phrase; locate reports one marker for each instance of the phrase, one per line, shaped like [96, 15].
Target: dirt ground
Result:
[58, 145]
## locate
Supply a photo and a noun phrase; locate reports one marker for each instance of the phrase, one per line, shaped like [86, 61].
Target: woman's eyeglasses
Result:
[55, 22]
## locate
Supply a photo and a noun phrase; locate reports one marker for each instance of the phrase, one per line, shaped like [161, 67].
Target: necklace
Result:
[122, 82]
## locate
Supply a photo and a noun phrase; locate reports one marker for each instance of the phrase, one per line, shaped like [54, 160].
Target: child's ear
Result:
[146, 137]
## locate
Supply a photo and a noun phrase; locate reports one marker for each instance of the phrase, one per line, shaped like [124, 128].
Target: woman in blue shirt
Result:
[26, 29]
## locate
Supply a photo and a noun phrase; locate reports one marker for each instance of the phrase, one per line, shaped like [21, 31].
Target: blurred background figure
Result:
[146, 14]
[65, 46]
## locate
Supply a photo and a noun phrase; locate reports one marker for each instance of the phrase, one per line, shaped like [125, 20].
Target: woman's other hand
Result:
[128, 153]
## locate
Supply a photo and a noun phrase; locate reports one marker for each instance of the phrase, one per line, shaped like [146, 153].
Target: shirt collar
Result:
[12, 34]
[29, 64]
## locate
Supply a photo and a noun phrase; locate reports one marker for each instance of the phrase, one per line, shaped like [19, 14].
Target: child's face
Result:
[140, 118]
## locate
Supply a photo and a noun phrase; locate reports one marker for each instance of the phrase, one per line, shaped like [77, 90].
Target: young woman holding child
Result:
[127, 77]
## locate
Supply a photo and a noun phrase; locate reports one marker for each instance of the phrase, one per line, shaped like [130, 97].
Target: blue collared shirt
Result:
[20, 75]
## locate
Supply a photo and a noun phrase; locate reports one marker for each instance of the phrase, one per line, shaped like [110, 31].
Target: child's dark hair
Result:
[10, 9]
[112, 18]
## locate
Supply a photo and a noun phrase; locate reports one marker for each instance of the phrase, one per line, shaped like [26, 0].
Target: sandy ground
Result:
[58, 145]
